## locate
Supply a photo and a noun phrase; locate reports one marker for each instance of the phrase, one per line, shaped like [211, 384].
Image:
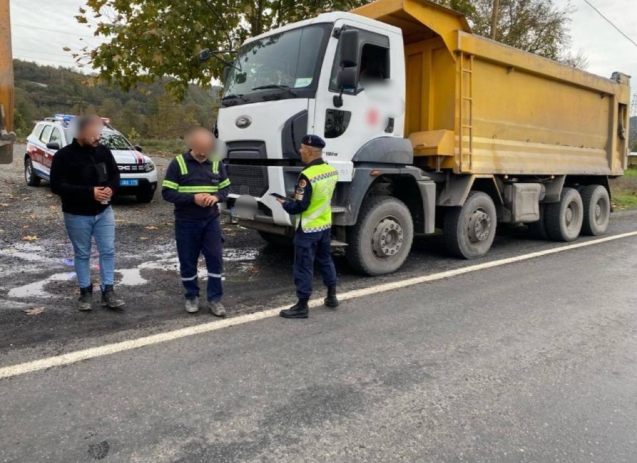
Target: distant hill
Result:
[148, 112]
[633, 133]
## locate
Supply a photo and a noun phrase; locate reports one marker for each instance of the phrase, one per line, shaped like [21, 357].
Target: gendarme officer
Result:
[311, 205]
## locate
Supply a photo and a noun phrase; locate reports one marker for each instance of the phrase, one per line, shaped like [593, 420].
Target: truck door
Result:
[363, 115]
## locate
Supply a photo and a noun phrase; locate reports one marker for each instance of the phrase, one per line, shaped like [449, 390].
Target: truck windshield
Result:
[114, 141]
[284, 65]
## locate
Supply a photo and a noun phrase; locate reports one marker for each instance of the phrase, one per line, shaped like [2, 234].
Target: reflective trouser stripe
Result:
[214, 275]
[189, 279]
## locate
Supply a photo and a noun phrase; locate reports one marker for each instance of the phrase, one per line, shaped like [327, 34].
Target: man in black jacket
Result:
[85, 175]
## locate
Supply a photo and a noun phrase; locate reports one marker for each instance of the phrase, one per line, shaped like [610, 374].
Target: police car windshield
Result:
[284, 65]
[114, 141]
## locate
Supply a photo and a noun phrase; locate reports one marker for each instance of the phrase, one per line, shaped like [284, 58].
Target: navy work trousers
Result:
[196, 237]
[310, 247]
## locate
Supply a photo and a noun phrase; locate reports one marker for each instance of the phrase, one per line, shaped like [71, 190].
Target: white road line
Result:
[78, 356]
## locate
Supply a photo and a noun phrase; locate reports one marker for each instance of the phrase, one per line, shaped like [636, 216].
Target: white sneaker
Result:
[217, 309]
[192, 305]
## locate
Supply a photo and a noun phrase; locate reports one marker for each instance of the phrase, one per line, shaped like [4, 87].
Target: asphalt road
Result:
[528, 362]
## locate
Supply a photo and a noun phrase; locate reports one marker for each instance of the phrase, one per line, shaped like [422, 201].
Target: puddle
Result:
[238, 267]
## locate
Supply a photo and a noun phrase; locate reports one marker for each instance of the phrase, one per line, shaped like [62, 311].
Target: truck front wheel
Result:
[380, 241]
[469, 230]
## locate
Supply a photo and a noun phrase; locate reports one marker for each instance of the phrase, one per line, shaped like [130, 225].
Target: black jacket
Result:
[74, 175]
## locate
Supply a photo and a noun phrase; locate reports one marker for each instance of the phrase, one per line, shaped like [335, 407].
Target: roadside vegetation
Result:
[624, 190]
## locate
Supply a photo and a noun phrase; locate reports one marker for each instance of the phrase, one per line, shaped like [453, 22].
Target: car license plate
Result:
[128, 182]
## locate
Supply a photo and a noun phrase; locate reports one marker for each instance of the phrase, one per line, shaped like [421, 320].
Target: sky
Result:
[607, 50]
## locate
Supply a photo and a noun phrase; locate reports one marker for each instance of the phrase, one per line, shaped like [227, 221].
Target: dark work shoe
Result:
[110, 299]
[331, 300]
[298, 310]
[86, 299]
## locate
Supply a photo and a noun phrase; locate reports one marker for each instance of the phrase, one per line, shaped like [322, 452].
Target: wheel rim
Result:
[27, 171]
[572, 217]
[387, 238]
[601, 212]
[479, 226]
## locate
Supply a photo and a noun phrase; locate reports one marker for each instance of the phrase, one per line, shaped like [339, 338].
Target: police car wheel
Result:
[30, 176]
[380, 241]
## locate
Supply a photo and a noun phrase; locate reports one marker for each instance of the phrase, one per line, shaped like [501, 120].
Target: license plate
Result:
[129, 182]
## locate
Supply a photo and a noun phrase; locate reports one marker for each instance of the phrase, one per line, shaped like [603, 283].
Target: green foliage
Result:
[150, 39]
[42, 91]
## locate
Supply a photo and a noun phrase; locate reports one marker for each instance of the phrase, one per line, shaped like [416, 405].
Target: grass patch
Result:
[624, 190]
[631, 172]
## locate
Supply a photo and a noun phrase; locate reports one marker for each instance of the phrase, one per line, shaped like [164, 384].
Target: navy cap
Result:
[313, 141]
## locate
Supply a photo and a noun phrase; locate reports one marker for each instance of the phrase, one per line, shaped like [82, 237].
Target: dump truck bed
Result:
[476, 106]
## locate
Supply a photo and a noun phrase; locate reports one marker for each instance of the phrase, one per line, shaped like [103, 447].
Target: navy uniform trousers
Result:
[194, 238]
[308, 248]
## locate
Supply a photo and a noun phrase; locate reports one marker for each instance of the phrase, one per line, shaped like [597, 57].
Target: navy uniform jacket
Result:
[199, 174]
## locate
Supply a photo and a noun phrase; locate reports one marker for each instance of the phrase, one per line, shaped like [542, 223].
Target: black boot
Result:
[86, 299]
[298, 310]
[109, 299]
[331, 300]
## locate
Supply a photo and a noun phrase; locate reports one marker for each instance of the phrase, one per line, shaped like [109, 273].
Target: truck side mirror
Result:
[346, 79]
[348, 42]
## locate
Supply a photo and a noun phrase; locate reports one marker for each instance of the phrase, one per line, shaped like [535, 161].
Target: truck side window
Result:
[336, 122]
[374, 60]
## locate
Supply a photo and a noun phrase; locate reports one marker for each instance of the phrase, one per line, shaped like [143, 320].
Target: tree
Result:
[151, 39]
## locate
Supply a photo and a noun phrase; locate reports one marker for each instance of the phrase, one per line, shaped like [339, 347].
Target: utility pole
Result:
[7, 137]
[494, 18]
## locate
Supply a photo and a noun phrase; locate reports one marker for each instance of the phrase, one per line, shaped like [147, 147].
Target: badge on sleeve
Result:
[300, 192]
[302, 183]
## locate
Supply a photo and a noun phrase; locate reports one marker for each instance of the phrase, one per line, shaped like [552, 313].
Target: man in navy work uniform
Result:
[312, 206]
[195, 183]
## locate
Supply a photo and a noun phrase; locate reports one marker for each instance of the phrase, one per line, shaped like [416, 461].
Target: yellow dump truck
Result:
[428, 125]
[7, 137]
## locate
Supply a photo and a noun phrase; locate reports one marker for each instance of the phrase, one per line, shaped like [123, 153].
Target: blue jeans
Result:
[196, 237]
[81, 229]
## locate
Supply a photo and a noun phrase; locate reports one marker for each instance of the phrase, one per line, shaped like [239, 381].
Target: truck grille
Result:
[248, 180]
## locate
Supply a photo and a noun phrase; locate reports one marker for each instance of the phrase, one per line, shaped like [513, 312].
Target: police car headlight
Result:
[149, 166]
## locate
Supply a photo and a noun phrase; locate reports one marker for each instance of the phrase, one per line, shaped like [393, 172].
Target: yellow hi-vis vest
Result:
[318, 216]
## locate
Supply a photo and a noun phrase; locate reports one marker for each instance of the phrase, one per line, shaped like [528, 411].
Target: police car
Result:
[138, 175]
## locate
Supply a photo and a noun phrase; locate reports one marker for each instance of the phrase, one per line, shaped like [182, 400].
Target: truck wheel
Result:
[29, 175]
[537, 230]
[596, 210]
[564, 219]
[145, 197]
[380, 241]
[277, 240]
[469, 230]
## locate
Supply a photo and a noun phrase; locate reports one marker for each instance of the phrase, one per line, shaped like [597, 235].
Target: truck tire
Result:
[277, 240]
[30, 177]
[537, 230]
[564, 219]
[380, 241]
[469, 230]
[596, 210]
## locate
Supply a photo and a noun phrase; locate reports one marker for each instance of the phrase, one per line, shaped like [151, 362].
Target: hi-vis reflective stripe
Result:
[215, 167]
[183, 170]
[171, 185]
[198, 189]
[214, 275]
[224, 184]
[189, 279]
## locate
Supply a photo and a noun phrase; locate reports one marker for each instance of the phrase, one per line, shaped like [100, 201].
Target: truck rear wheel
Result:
[596, 210]
[380, 241]
[469, 230]
[277, 240]
[564, 219]
[537, 230]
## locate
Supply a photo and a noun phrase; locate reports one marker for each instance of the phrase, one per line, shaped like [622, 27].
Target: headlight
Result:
[149, 166]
